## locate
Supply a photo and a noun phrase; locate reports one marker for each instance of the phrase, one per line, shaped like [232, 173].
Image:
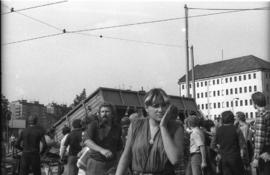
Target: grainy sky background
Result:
[149, 55]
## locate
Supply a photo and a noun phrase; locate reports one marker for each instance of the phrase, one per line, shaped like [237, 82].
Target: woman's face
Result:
[156, 111]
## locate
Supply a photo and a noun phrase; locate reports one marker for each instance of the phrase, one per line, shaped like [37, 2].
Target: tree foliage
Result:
[5, 112]
[79, 98]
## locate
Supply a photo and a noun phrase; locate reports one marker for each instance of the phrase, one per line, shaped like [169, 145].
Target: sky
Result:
[57, 68]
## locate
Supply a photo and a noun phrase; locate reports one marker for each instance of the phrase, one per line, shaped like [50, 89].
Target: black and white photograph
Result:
[135, 87]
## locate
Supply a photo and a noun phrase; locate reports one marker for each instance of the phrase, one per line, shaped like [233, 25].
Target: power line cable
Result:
[43, 5]
[260, 8]
[42, 22]
[158, 21]
[133, 24]
[34, 38]
[131, 40]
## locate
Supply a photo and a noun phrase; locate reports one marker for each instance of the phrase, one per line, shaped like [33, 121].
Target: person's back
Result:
[30, 138]
[227, 138]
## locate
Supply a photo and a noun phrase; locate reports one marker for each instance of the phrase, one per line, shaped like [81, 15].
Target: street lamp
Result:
[233, 104]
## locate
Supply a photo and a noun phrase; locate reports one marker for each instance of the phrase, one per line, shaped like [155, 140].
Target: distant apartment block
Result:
[228, 85]
[22, 109]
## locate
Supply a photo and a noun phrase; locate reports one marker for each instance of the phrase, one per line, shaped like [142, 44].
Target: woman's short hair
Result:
[227, 117]
[193, 121]
[65, 130]
[241, 116]
[156, 96]
[259, 99]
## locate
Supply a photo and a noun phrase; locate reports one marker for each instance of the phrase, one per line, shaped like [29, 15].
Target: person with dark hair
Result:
[262, 134]
[197, 159]
[155, 143]
[103, 138]
[230, 142]
[73, 140]
[30, 138]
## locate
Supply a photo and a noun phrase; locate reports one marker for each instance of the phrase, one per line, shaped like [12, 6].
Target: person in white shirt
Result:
[65, 132]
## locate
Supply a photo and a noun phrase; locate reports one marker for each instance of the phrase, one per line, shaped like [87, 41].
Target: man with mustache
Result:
[103, 137]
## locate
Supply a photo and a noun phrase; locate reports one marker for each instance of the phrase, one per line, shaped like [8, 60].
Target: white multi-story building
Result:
[228, 85]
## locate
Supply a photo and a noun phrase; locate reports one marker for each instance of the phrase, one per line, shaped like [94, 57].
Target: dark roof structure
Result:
[230, 66]
[123, 99]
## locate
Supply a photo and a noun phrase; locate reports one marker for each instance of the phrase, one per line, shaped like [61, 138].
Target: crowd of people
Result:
[159, 143]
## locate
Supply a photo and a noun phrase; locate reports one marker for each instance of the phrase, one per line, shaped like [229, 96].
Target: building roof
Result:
[127, 98]
[230, 66]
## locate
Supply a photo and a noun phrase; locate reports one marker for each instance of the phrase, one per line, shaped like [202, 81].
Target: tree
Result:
[5, 115]
[79, 98]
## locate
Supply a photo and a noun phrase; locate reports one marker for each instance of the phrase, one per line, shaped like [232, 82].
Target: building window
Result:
[251, 114]
[201, 95]
[249, 76]
[218, 93]
[198, 95]
[226, 80]
[218, 105]
[227, 91]
[205, 83]
[230, 79]
[245, 77]
[198, 106]
[235, 90]
[245, 89]
[250, 88]
[240, 78]
[198, 84]
[240, 90]
[267, 87]
[217, 81]
[201, 84]
[235, 78]
[241, 102]
[236, 103]
[183, 86]
[255, 88]
[231, 103]
[205, 94]
[214, 93]
[250, 101]
[231, 91]
[214, 105]
[246, 102]
[254, 75]
[206, 106]
[189, 85]
[227, 104]
[246, 115]
[202, 106]
[213, 82]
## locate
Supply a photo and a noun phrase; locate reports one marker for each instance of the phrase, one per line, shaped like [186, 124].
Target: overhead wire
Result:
[260, 8]
[131, 24]
[158, 21]
[33, 7]
[131, 40]
[34, 38]
[42, 22]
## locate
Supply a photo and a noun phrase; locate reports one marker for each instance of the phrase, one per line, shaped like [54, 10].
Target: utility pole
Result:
[187, 51]
[192, 72]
